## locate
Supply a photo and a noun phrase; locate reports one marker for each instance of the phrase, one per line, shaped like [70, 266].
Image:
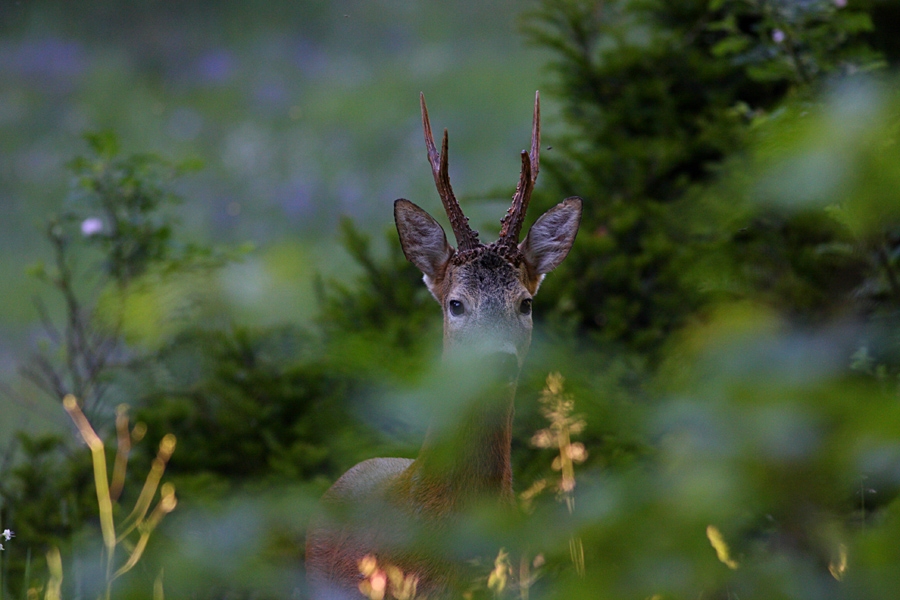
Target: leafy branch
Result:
[117, 211]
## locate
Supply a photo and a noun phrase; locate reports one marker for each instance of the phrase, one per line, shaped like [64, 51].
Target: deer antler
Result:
[466, 237]
[511, 225]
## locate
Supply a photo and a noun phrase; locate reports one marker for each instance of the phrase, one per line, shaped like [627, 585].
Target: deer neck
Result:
[468, 463]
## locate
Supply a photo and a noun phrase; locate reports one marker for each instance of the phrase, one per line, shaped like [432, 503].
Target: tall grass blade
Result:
[101, 481]
[123, 449]
[54, 564]
[26, 578]
[158, 467]
[158, 587]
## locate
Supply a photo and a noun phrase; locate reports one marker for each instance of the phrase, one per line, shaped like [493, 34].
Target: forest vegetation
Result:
[711, 407]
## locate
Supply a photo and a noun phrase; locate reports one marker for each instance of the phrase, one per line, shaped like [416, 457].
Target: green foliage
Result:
[48, 499]
[248, 407]
[386, 320]
[658, 95]
[123, 205]
[797, 42]
[132, 232]
[117, 214]
[726, 326]
[251, 407]
[753, 266]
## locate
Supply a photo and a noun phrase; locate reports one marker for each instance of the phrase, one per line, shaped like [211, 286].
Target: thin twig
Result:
[51, 330]
[41, 373]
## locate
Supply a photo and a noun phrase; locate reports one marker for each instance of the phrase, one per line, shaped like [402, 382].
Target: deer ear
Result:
[550, 239]
[422, 239]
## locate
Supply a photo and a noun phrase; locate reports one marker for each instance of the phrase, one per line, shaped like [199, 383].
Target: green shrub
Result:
[659, 96]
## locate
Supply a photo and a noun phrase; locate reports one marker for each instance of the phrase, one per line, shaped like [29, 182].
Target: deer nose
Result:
[506, 365]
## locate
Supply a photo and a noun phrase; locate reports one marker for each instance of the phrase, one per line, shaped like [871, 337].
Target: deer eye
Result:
[456, 308]
[525, 306]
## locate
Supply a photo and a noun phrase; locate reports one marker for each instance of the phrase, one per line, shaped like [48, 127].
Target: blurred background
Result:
[196, 222]
[300, 113]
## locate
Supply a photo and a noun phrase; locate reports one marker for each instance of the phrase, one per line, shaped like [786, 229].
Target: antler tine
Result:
[466, 237]
[536, 137]
[511, 225]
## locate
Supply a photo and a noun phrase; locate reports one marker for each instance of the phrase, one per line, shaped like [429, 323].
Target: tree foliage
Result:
[659, 96]
[726, 325]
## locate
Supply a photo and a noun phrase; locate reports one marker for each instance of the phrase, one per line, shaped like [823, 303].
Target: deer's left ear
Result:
[550, 239]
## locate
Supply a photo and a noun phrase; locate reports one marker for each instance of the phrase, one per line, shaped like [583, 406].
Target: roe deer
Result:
[382, 506]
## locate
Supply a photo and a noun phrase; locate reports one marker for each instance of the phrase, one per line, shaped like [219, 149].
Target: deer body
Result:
[400, 510]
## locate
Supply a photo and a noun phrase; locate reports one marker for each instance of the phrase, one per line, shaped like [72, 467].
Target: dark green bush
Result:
[248, 405]
[658, 96]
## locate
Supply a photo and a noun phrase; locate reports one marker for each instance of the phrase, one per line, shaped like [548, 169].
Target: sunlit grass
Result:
[107, 495]
[721, 547]
[557, 407]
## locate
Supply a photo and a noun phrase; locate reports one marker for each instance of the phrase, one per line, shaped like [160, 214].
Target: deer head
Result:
[486, 290]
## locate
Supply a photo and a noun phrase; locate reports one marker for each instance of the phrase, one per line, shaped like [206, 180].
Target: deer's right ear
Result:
[423, 241]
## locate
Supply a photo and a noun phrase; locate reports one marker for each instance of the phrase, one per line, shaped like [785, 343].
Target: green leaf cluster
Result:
[659, 98]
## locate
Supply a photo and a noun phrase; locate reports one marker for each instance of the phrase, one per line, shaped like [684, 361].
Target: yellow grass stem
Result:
[721, 548]
[158, 587]
[107, 493]
[838, 566]
[576, 552]
[165, 505]
[499, 577]
[557, 408]
[138, 433]
[98, 454]
[567, 469]
[157, 468]
[54, 565]
[123, 449]
[525, 580]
